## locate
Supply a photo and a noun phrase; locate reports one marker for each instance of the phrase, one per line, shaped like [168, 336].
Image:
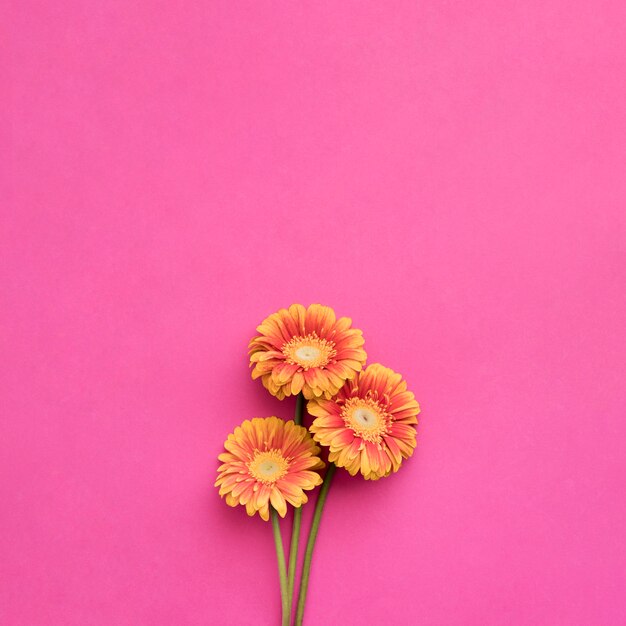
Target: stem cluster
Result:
[288, 578]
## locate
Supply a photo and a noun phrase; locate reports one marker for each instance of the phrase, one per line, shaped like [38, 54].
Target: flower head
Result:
[268, 461]
[370, 426]
[306, 350]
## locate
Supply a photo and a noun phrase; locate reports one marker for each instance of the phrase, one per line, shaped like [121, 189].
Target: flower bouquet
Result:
[363, 416]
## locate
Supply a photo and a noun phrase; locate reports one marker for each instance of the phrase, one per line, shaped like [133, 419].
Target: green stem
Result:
[293, 555]
[308, 555]
[282, 572]
[297, 522]
[297, 418]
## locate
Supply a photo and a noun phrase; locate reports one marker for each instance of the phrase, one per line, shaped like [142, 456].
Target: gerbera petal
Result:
[278, 501]
[298, 314]
[282, 373]
[342, 439]
[297, 382]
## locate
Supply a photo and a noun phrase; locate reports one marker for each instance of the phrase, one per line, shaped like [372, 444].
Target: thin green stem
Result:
[282, 571]
[293, 555]
[297, 522]
[308, 555]
[297, 418]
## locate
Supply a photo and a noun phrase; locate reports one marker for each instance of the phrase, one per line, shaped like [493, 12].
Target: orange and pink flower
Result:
[370, 427]
[306, 350]
[268, 461]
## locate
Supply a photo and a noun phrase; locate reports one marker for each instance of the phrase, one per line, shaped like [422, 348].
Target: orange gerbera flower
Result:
[268, 461]
[370, 426]
[306, 350]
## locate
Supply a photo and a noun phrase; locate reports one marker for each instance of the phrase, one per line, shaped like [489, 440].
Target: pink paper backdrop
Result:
[450, 175]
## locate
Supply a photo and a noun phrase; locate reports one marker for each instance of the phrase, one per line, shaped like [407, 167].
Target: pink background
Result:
[450, 175]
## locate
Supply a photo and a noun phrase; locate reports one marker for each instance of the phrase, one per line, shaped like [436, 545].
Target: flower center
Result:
[309, 351]
[267, 467]
[367, 418]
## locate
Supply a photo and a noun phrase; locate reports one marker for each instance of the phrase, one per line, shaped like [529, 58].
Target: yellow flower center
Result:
[309, 351]
[267, 467]
[367, 418]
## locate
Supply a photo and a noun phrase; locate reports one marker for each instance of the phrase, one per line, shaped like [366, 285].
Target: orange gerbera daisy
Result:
[306, 350]
[370, 426]
[268, 461]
